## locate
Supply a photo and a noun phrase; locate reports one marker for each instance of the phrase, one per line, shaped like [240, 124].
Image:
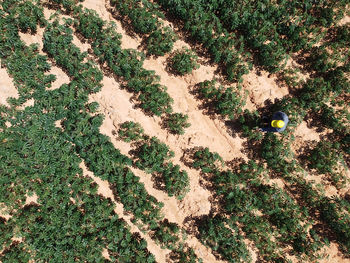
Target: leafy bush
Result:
[225, 101]
[276, 153]
[152, 154]
[332, 213]
[160, 41]
[130, 131]
[206, 160]
[145, 19]
[126, 63]
[249, 122]
[166, 234]
[184, 254]
[90, 25]
[28, 15]
[93, 106]
[324, 157]
[176, 180]
[176, 123]
[225, 240]
[183, 61]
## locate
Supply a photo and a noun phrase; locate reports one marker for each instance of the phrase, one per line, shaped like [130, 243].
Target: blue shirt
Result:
[277, 116]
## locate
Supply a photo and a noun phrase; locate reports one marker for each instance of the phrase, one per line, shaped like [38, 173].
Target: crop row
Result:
[324, 157]
[242, 193]
[153, 157]
[281, 162]
[225, 102]
[145, 19]
[269, 30]
[69, 221]
[98, 152]
[206, 30]
[125, 64]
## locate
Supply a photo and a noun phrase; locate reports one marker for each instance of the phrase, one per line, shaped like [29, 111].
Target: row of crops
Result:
[70, 222]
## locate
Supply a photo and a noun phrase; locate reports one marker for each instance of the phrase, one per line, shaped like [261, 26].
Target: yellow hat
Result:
[277, 123]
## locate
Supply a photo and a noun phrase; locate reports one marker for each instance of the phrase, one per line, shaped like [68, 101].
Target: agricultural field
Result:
[129, 131]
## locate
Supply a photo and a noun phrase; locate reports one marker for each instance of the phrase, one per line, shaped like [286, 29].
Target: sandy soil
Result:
[344, 20]
[263, 87]
[7, 88]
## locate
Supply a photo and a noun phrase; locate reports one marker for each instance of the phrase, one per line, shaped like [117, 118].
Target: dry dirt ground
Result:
[206, 132]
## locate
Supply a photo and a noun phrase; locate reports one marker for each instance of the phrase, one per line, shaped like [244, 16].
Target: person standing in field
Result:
[277, 123]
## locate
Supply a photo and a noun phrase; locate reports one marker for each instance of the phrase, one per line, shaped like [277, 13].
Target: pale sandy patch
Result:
[61, 77]
[37, 38]
[7, 88]
[344, 20]
[262, 88]
[333, 255]
[30, 199]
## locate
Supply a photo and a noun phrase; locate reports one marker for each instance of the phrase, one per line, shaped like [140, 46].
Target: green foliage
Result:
[143, 21]
[176, 123]
[152, 154]
[207, 161]
[160, 41]
[224, 101]
[206, 29]
[341, 35]
[90, 25]
[27, 15]
[144, 18]
[125, 63]
[331, 212]
[167, 234]
[275, 152]
[325, 158]
[93, 107]
[66, 5]
[176, 181]
[224, 239]
[249, 122]
[183, 61]
[37, 157]
[17, 252]
[184, 254]
[130, 131]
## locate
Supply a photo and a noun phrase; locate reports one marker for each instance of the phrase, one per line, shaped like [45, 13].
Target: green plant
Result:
[184, 254]
[276, 152]
[176, 123]
[223, 101]
[250, 122]
[224, 238]
[130, 131]
[152, 154]
[183, 61]
[176, 181]
[167, 234]
[207, 161]
[324, 157]
[28, 15]
[161, 41]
